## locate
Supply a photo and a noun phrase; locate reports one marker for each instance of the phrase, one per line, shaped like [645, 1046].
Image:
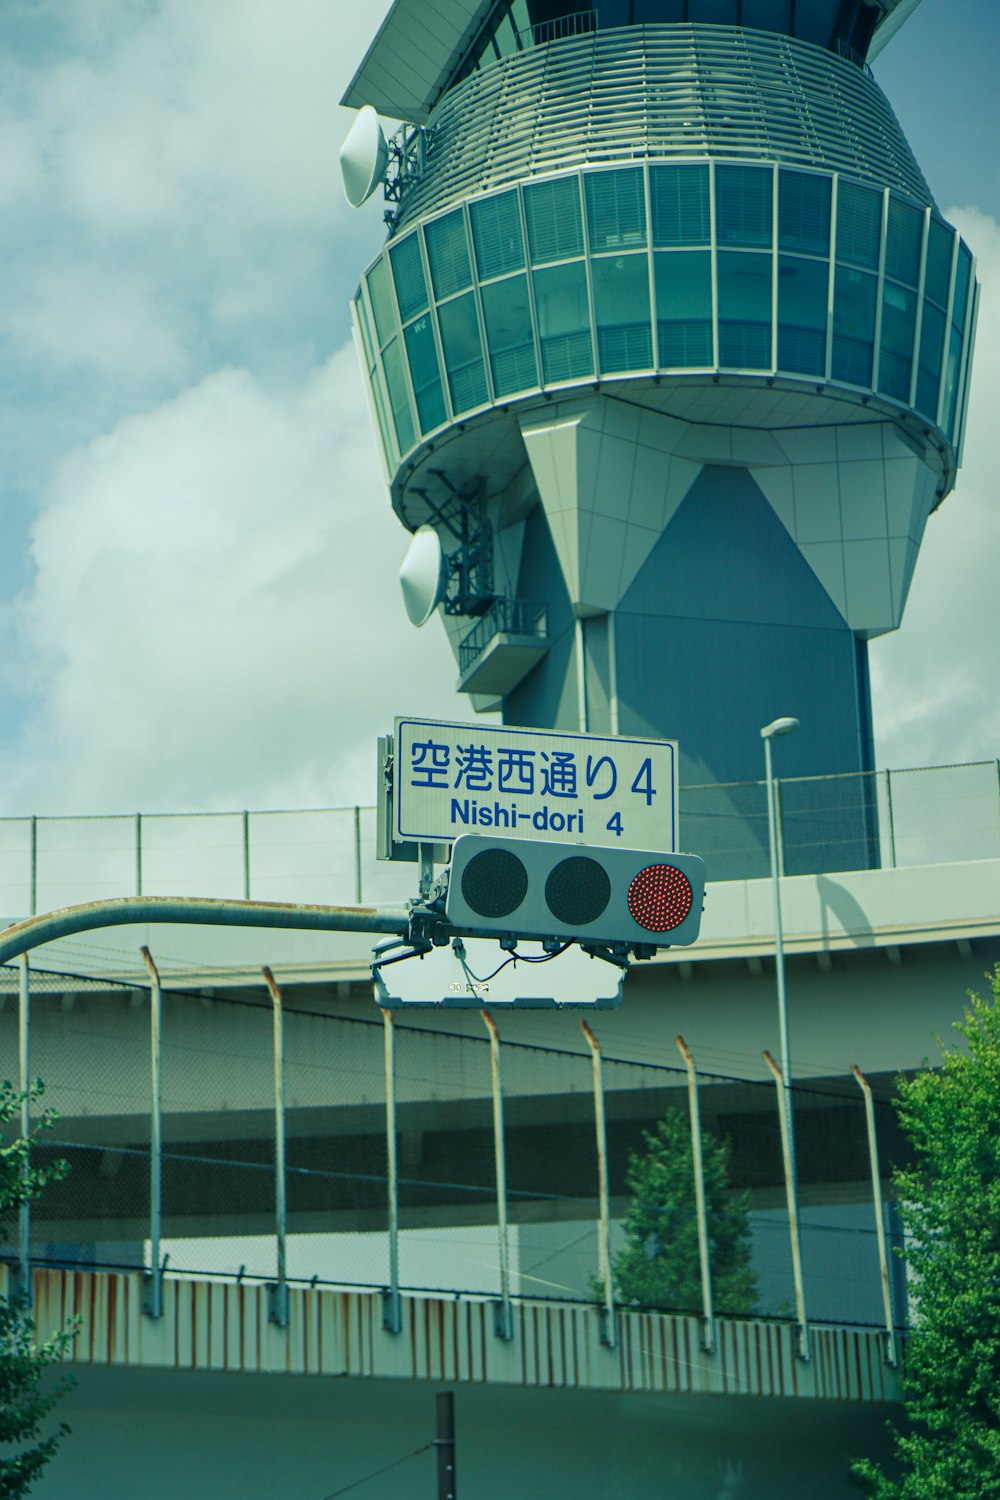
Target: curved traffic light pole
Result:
[18, 940]
[22, 937]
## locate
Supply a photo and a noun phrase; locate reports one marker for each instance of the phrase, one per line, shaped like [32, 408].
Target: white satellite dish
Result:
[363, 157]
[424, 575]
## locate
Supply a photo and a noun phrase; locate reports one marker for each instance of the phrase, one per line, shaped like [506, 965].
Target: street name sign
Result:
[451, 779]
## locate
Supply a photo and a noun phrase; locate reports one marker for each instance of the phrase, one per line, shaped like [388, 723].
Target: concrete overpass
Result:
[169, 1406]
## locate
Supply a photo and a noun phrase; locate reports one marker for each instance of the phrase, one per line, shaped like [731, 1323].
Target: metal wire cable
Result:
[354, 1484]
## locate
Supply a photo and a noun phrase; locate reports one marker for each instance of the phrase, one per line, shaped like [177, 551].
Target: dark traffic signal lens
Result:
[659, 898]
[577, 891]
[494, 883]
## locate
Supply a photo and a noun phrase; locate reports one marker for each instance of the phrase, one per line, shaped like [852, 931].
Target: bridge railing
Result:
[487, 1202]
[881, 820]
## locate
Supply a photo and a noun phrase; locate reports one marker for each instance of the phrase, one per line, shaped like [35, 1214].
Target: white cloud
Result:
[936, 684]
[176, 172]
[215, 620]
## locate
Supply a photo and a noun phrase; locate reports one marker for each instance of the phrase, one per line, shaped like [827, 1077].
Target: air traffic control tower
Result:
[670, 345]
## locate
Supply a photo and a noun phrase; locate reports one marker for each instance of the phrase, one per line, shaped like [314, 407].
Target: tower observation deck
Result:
[671, 345]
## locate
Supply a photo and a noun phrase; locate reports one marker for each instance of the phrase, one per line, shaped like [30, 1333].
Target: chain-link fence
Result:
[478, 1170]
[885, 819]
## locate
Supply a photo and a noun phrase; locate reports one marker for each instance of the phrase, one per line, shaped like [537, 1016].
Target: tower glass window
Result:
[679, 205]
[963, 277]
[714, 12]
[399, 401]
[381, 300]
[496, 233]
[563, 321]
[408, 275]
[555, 228]
[448, 253]
[621, 303]
[616, 209]
[744, 310]
[424, 373]
[804, 212]
[509, 338]
[815, 21]
[940, 242]
[768, 15]
[853, 325]
[743, 205]
[463, 352]
[932, 328]
[802, 314]
[903, 242]
[683, 307]
[859, 224]
[899, 314]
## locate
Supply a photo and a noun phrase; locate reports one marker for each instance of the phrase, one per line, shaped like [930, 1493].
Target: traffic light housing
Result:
[575, 893]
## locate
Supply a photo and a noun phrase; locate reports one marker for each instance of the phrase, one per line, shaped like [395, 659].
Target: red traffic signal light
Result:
[529, 889]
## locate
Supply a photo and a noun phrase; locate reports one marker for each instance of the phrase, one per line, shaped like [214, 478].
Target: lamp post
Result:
[767, 734]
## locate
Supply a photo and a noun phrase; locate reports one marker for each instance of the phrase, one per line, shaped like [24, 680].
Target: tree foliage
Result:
[659, 1265]
[27, 1396]
[950, 1206]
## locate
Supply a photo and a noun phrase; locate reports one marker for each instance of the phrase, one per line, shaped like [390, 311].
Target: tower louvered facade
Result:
[671, 345]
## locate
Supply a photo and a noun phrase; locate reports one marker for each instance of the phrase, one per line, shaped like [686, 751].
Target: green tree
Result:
[659, 1265]
[27, 1395]
[950, 1206]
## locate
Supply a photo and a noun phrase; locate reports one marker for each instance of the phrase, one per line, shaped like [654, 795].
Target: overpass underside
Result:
[534, 1414]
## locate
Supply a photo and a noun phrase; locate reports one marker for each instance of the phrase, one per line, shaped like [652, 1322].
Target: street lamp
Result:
[767, 734]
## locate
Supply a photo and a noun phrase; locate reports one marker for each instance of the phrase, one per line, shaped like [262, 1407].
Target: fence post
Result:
[503, 1324]
[33, 869]
[708, 1317]
[793, 1212]
[392, 1313]
[23, 1292]
[883, 1256]
[779, 830]
[892, 825]
[357, 855]
[138, 854]
[609, 1332]
[246, 856]
[152, 1301]
[277, 1309]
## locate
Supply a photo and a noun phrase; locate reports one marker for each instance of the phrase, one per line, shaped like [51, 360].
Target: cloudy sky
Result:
[193, 517]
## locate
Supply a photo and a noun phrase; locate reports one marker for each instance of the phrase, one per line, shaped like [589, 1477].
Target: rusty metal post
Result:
[392, 1313]
[152, 1302]
[277, 1311]
[609, 1331]
[444, 1442]
[883, 1255]
[504, 1322]
[357, 855]
[33, 869]
[708, 1317]
[23, 1292]
[793, 1209]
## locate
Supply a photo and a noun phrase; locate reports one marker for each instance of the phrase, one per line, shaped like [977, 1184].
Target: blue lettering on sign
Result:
[487, 785]
[608, 777]
[475, 768]
[466, 812]
[516, 771]
[559, 774]
[429, 764]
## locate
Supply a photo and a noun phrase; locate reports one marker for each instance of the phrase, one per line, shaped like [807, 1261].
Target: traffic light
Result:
[572, 892]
